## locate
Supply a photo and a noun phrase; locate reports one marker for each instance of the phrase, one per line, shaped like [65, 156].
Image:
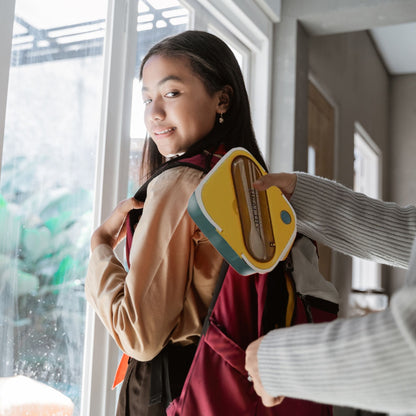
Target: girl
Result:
[195, 100]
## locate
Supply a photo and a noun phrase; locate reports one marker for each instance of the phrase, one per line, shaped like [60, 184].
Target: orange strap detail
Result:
[121, 370]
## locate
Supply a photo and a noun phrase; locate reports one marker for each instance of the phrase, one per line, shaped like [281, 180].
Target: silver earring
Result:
[221, 119]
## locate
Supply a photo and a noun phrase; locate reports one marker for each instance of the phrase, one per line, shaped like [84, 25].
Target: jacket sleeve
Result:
[354, 223]
[143, 307]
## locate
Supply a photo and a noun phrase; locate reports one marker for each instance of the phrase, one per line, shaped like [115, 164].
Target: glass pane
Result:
[366, 167]
[47, 182]
[156, 19]
[366, 274]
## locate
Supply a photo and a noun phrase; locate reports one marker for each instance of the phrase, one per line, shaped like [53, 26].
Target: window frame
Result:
[357, 262]
[101, 354]
[7, 8]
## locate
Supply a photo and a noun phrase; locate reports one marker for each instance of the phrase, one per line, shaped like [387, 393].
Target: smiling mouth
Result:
[164, 131]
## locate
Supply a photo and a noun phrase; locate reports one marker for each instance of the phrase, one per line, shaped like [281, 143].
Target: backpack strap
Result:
[203, 161]
[141, 193]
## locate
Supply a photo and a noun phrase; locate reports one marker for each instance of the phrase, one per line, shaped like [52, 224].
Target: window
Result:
[366, 275]
[311, 160]
[46, 190]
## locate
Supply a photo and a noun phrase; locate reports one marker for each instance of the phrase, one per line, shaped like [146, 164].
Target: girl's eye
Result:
[171, 94]
[147, 101]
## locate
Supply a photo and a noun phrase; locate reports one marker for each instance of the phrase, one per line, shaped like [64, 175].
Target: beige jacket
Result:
[166, 293]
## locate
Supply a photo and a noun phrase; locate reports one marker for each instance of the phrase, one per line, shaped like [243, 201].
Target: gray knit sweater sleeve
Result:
[368, 362]
[353, 223]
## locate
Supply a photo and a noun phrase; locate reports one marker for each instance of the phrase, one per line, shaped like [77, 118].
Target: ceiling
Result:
[391, 23]
[397, 46]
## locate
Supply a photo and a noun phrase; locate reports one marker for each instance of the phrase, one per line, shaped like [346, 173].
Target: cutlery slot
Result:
[253, 209]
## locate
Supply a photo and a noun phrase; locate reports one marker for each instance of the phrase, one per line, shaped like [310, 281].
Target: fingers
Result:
[251, 363]
[125, 206]
[118, 216]
[271, 401]
[264, 182]
[254, 376]
[286, 182]
[266, 399]
[133, 203]
[113, 229]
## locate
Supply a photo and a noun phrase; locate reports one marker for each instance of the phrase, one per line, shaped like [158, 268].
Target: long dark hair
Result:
[215, 64]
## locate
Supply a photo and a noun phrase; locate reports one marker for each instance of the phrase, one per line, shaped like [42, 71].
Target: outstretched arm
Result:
[349, 222]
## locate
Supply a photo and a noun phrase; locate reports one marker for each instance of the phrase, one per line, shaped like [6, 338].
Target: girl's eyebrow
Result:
[162, 81]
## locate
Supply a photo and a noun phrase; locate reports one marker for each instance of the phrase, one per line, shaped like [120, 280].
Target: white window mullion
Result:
[101, 353]
[6, 34]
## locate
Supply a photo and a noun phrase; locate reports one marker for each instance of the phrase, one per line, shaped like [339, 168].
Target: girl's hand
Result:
[286, 182]
[113, 229]
[253, 370]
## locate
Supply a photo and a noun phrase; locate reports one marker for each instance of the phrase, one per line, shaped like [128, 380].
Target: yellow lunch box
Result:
[253, 230]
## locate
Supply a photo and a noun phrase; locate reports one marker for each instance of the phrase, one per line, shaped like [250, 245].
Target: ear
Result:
[224, 99]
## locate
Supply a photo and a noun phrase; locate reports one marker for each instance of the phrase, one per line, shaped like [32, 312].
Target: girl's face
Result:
[178, 109]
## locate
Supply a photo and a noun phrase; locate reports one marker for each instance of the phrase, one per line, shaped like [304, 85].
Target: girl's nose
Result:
[157, 111]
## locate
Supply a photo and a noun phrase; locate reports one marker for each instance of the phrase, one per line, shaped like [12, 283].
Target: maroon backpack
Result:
[217, 381]
[211, 380]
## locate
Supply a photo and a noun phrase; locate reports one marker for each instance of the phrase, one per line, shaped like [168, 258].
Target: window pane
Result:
[367, 294]
[47, 181]
[366, 274]
[156, 19]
